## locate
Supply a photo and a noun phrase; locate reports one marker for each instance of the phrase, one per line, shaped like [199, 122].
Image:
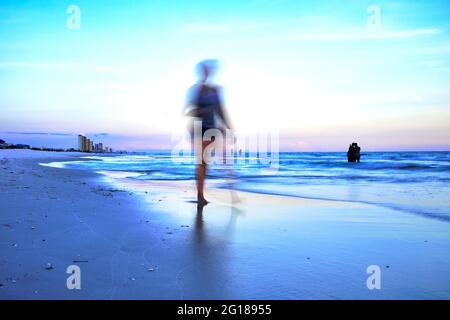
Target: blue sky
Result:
[311, 70]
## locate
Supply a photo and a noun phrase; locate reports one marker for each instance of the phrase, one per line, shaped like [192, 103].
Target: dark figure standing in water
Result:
[205, 105]
[357, 152]
[350, 154]
[354, 153]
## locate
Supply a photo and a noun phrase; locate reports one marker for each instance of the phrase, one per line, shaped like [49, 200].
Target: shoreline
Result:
[131, 244]
[214, 185]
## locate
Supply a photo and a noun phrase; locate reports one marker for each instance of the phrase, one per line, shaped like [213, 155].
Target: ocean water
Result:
[416, 182]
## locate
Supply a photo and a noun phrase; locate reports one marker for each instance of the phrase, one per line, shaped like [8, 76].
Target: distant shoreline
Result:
[169, 150]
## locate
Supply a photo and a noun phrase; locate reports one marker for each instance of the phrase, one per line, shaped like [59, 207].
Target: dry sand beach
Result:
[146, 240]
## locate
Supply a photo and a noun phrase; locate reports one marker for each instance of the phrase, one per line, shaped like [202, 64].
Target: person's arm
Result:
[222, 113]
[196, 112]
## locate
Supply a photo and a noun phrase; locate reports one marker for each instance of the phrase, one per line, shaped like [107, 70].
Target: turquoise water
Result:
[416, 182]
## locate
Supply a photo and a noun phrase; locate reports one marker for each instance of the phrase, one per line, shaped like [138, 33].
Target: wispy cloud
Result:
[282, 34]
[13, 20]
[40, 133]
[229, 27]
[57, 66]
[366, 35]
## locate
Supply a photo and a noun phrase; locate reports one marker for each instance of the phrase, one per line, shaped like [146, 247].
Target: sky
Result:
[321, 74]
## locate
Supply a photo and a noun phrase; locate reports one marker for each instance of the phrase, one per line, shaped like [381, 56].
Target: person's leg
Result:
[200, 175]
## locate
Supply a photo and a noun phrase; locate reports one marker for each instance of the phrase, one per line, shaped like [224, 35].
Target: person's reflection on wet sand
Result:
[211, 269]
[231, 226]
[198, 230]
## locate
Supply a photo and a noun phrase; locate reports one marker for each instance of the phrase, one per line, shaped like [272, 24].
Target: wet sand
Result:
[141, 240]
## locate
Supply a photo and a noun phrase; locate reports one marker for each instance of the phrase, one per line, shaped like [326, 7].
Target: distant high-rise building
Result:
[87, 145]
[80, 142]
